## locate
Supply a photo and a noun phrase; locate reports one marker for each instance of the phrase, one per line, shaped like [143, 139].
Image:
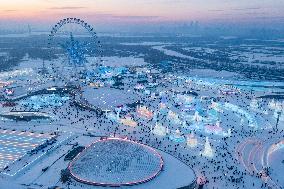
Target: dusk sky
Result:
[129, 11]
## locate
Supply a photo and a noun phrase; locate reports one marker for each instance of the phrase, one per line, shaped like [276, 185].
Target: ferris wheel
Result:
[74, 43]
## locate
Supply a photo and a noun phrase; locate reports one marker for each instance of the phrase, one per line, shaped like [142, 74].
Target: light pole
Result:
[277, 121]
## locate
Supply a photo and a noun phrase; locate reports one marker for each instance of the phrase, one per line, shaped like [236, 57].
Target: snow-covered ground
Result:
[108, 98]
[173, 53]
[207, 134]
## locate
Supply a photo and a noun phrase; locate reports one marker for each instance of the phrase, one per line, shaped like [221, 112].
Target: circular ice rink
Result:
[116, 162]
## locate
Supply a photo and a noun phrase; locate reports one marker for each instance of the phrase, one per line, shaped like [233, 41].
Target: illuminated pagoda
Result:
[191, 140]
[128, 121]
[173, 117]
[208, 150]
[197, 117]
[144, 112]
[177, 136]
[159, 130]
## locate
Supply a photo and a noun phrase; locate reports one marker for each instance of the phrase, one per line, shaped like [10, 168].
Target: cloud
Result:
[244, 9]
[135, 17]
[235, 9]
[217, 10]
[66, 8]
[10, 10]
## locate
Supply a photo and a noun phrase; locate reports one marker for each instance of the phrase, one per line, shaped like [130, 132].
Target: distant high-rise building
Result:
[29, 29]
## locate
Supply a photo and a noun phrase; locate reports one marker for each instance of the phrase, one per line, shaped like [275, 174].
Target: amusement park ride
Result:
[77, 41]
[75, 50]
